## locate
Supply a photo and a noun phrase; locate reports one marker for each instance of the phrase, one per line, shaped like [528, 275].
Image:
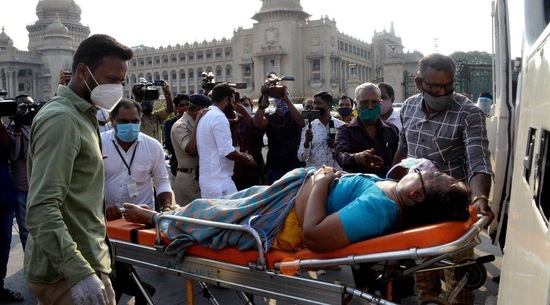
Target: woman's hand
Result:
[326, 174]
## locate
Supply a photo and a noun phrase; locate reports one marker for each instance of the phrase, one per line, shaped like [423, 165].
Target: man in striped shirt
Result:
[449, 130]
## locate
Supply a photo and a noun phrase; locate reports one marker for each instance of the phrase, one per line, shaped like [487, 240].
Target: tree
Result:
[473, 57]
[473, 72]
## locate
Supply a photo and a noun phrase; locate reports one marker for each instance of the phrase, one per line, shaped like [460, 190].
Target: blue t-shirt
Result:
[364, 210]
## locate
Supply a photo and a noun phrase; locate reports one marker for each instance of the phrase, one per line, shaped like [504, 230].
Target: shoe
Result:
[10, 296]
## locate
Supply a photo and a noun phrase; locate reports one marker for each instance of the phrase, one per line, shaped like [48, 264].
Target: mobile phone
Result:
[159, 83]
[310, 115]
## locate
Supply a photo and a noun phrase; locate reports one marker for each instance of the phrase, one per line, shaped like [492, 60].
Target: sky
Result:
[464, 26]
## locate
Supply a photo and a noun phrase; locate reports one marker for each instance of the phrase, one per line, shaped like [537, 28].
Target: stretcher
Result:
[276, 274]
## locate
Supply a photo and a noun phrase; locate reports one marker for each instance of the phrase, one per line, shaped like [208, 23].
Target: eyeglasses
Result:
[183, 104]
[416, 170]
[450, 87]
[369, 103]
[318, 103]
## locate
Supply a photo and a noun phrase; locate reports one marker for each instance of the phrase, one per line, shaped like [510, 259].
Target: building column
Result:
[2, 84]
[16, 82]
[9, 80]
[35, 90]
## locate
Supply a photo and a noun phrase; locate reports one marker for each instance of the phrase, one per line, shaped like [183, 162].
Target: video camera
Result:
[208, 83]
[275, 89]
[29, 109]
[9, 108]
[147, 89]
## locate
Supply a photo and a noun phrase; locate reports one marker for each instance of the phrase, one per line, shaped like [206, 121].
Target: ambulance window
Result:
[528, 158]
[542, 177]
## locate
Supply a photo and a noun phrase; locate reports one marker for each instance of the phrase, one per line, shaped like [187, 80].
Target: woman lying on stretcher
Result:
[330, 210]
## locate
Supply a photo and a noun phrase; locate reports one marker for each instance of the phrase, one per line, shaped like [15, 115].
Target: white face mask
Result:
[424, 165]
[247, 109]
[385, 106]
[104, 96]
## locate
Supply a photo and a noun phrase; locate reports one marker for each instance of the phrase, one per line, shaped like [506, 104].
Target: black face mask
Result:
[322, 111]
[147, 107]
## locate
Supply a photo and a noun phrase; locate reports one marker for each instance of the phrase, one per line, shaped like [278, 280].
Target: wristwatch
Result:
[476, 198]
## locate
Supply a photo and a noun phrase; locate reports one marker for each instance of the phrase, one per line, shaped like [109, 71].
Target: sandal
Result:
[10, 296]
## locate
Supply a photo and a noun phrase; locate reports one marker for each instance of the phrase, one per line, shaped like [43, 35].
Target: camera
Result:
[158, 83]
[29, 110]
[208, 83]
[147, 89]
[275, 89]
[26, 112]
[8, 108]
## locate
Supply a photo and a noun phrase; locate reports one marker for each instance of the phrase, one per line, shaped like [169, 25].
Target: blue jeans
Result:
[6, 222]
[20, 215]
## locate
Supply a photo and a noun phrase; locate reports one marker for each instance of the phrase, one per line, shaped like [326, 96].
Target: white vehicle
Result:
[519, 134]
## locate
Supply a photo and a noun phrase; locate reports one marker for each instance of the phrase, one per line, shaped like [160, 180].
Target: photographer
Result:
[19, 133]
[283, 128]
[318, 139]
[8, 201]
[151, 122]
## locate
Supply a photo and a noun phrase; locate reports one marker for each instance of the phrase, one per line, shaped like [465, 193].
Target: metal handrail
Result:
[260, 263]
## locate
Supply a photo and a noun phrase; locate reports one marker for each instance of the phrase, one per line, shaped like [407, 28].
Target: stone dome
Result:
[281, 5]
[57, 28]
[57, 6]
[5, 40]
[272, 8]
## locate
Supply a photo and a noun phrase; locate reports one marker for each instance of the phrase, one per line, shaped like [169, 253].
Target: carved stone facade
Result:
[284, 40]
[53, 39]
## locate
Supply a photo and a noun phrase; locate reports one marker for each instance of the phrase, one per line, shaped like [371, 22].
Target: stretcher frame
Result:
[263, 277]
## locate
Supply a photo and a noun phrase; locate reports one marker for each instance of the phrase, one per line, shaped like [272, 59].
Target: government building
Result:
[283, 40]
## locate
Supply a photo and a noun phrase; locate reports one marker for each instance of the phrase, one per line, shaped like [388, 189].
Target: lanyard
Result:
[123, 160]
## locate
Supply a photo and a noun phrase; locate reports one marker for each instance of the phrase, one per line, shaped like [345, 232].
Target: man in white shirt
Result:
[186, 185]
[317, 142]
[103, 120]
[217, 156]
[134, 163]
[387, 113]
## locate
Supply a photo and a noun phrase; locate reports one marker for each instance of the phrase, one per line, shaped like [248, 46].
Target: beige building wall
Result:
[284, 39]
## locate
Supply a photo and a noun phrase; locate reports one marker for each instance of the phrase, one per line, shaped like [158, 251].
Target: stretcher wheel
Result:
[477, 273]
[435, 301]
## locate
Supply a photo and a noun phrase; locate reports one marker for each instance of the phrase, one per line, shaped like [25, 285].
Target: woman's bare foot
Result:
[136, 214]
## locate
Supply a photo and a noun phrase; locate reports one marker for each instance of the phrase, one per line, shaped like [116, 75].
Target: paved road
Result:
[171, 289]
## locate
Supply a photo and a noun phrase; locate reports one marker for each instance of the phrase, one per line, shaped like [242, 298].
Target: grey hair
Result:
[437, 62]
[366, 86]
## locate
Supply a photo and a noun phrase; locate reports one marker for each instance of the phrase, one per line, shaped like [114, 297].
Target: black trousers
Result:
[365, 278]
[123, 283]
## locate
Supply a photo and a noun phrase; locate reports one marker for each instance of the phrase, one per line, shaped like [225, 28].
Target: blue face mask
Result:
[280, 106]
[369, 115]
[127, 132]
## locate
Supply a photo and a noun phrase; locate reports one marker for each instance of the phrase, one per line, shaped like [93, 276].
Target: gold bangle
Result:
[476, 198]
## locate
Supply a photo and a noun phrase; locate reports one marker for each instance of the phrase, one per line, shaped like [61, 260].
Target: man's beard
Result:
[229, 111]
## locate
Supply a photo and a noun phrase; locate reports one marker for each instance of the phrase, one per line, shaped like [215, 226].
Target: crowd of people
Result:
[146, 160]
